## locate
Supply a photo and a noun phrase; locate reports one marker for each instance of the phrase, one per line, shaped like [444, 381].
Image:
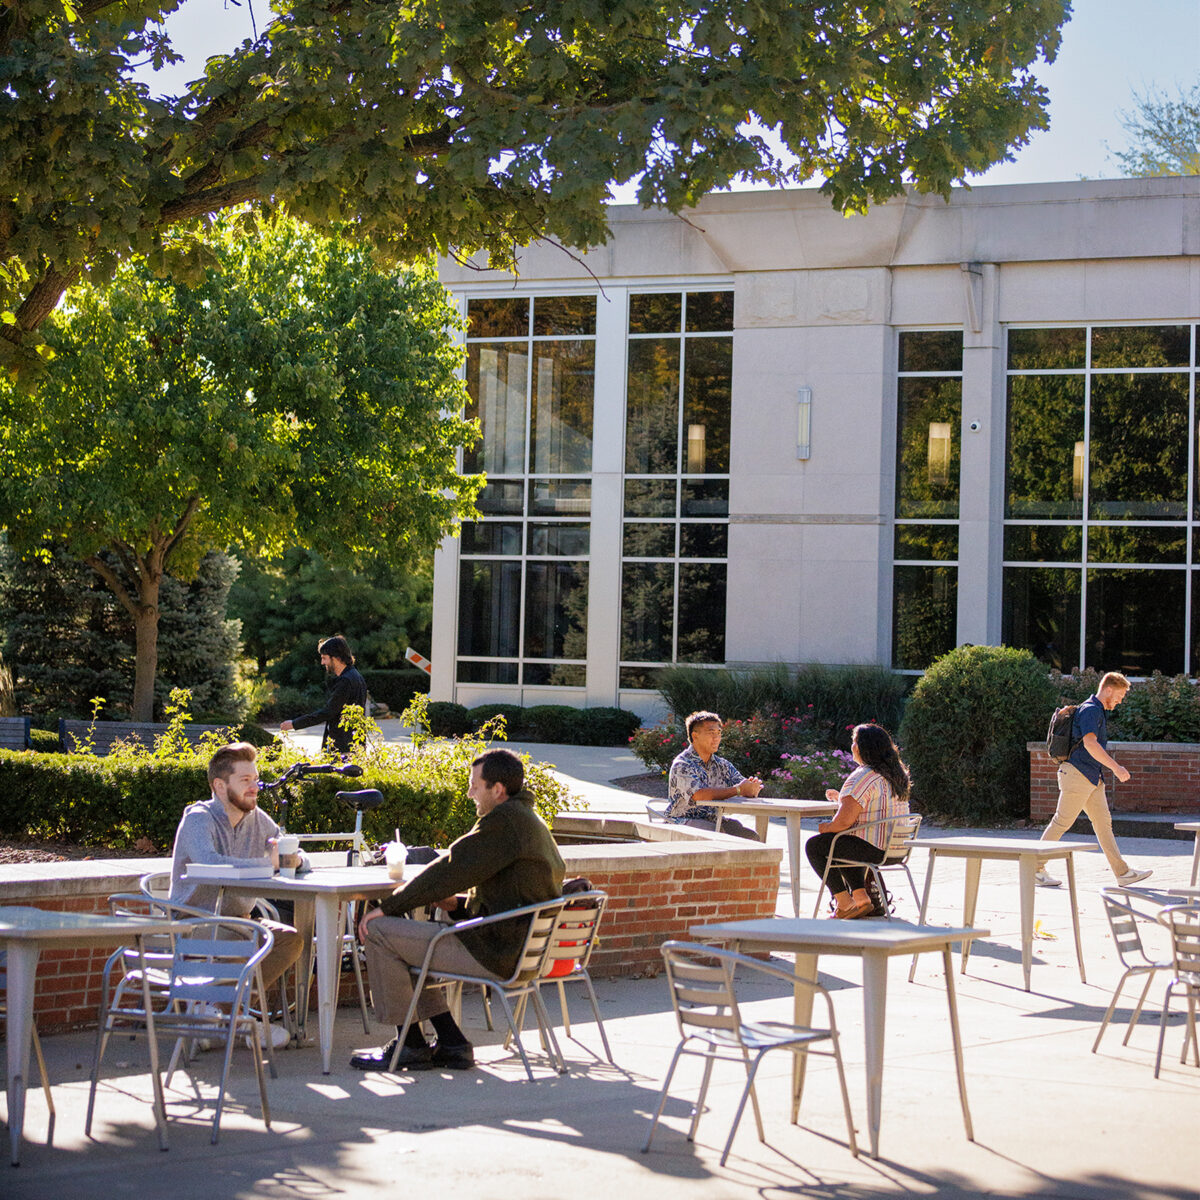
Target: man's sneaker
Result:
[454, 1058]
[278, 1035]
[1131, 877]
[1043, 879]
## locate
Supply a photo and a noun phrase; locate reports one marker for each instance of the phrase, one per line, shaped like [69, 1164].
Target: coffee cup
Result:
[288, 844]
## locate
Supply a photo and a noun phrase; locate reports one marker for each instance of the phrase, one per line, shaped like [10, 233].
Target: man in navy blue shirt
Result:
[1081, 784]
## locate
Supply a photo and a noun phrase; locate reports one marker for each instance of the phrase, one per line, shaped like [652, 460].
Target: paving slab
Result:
[1051, 1118]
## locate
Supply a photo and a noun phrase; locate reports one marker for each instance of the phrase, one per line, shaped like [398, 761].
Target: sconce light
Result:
[695, 450]
[803, 421]
[1077, 472]
[939, 452]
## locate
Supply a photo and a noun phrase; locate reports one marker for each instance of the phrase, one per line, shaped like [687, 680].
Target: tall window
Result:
[676, 528]
[925, 565]
[523, 573]
[1101, 512]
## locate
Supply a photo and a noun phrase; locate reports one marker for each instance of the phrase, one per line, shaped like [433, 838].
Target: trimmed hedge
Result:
[559, 724]
[395, 687]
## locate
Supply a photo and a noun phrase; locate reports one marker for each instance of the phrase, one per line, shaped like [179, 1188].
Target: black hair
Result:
[501, 766]
[336, 647]
[698, 718]
[878, 751]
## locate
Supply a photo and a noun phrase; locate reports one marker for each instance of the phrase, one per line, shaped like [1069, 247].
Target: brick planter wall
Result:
[1164, 778]
[657, 890]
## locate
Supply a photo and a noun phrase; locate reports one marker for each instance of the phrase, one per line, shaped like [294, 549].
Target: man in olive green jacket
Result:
[507, 860]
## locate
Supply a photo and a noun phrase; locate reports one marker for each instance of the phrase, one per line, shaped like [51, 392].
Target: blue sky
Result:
[1112, 50]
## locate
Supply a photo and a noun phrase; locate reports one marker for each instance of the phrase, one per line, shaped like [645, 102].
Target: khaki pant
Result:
[1077, 794]
[284, 952]
[393, 945]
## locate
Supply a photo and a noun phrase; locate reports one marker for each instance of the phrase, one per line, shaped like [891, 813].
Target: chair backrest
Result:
[657, 810]
[1123, 920]
[156, 885]
[1183, 923]
[904, 829]
[215, 959]
[700, 979]
[531, 963]
[574, 933]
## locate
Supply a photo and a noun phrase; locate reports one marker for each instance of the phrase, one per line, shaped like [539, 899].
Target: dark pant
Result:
[849, 846]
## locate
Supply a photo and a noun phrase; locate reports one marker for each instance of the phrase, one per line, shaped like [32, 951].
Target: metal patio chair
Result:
[901, 830]
[704, 995]
[1182, 921]
[1123, 919]
[210, 977]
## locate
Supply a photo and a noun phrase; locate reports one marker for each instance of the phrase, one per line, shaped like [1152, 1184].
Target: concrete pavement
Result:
[1051, 1118]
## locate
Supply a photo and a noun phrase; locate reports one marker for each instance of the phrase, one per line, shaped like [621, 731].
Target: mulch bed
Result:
[652, 785]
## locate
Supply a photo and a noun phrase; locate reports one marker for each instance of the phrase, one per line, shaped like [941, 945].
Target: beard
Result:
[244, 801]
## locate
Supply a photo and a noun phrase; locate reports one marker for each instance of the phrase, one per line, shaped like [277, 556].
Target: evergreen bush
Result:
[965, 731]
[395, 686]
[609, 726]
[447, 719]
[515, 724]
[557, 723]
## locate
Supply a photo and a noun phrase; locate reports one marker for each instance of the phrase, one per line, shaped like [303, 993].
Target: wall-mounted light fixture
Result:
[695, 449]
[1077, 472]
[803, 421]
[939, 452]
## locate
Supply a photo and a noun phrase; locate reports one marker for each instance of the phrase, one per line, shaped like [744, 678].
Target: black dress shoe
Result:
[411, 1058]
[454, 1058]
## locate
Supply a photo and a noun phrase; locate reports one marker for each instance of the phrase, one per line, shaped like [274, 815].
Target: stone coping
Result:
[661, 846]
[1170, 747]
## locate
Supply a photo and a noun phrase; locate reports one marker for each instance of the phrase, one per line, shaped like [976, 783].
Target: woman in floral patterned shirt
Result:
[877, 788]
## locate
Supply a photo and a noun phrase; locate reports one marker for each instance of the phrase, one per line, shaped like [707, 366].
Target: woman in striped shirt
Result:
[877, 788]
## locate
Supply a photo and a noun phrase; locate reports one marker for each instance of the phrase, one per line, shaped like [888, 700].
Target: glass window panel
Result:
[491, 537]
[1135, 621]
[1043, 543]
[644, 678]
[560, 497]
[652, 408]
[709, 312]
[1040, 613]
[487, 672]
[927, 541]
[489, 608]
[924, 614]
[930, 414]
[655, 312]
[649, 497]
[647, 608]
[556, 610]
[567, 540]
[939, 350]
[703, 541]
[704, 498]
[502, 498]
[1046, 349]
[1136, 544]
[564, 316]
[496, 380]
[1142, 346]
[1194, 668]
[707, 382]
[1139, 457]
[564, 383]
[507, 317]
[649, 541]
[555, 674]
[701, 612]
[1045, 475]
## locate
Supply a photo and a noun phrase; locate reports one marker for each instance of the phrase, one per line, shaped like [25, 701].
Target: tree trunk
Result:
[145, 624]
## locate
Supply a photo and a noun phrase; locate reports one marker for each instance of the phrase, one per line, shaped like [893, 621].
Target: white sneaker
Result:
[1042, 879]
[1131, 877]
[278, 1035]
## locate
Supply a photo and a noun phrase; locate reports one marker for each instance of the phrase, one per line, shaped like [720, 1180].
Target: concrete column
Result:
[981, 507]
[608, 463]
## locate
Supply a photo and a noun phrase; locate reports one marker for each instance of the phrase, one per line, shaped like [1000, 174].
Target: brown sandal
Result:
[854, 910]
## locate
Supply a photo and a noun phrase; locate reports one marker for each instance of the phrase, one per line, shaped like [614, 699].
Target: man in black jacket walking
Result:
[348, 687]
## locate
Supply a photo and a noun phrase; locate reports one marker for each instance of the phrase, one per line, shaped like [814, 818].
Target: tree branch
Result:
[193, 507]
[115, 585]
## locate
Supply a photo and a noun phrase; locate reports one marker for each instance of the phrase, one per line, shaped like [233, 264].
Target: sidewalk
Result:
[1051, 1118]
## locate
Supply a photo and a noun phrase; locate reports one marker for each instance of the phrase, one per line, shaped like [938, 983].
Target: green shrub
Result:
[657, 745]
[836, 697]
[1159, 709]
[965, 730]
[609, 726]
[395, 687]
[447, 719]
[513, 714]
[43, 741]
[558, 723]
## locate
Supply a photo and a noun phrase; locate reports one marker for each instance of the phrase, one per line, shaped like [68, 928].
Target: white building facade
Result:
[761, 432]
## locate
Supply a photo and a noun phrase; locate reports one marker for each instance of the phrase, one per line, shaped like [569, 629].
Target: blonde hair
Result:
[1113, 679]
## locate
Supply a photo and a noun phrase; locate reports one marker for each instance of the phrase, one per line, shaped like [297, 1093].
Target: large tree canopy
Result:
[482, 124]
[294, 393]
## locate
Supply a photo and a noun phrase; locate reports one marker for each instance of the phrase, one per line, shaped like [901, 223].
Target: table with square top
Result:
[872, 941]
[762, 810]
[319, 896]
[1026, 854]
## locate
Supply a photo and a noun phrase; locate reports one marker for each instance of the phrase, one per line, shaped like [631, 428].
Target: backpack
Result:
[1059, 739]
